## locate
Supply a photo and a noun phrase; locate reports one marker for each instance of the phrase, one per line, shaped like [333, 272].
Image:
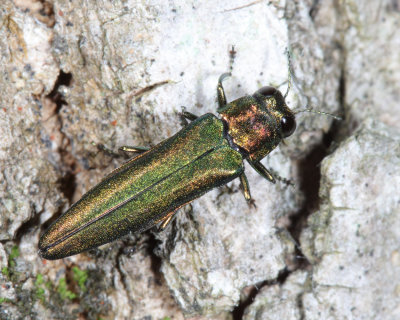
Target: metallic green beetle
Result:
[149, 188]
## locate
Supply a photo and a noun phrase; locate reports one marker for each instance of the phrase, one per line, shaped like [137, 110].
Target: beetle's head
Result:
[259, 122]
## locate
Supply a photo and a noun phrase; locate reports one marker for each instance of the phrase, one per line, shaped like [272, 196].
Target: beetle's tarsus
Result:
[287, 182]
[101, 147]
[252, 203]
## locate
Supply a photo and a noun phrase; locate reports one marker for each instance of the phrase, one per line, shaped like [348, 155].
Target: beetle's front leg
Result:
[262, 171]
[220, 90]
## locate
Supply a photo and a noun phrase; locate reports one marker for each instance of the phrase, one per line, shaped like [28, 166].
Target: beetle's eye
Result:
[288, 125]
[266, 91]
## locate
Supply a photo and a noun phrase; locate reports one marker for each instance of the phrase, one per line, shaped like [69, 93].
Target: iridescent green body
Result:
[146, 190]
[141, 192]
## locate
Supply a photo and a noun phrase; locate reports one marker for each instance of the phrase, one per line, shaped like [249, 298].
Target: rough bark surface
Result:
[77, 73]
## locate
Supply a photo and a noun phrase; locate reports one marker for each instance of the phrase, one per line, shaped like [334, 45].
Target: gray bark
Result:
[78, 73]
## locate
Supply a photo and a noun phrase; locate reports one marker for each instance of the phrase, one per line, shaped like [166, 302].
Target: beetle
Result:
[149, 188]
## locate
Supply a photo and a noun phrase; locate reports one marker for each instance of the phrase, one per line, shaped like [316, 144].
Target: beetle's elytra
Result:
[149, 188]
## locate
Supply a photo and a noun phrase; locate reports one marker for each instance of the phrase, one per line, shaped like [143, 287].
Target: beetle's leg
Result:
[133, 149]
[220, 90]
[288, 182]
[186, 115]
[245, 186]
[166, 219]
[261, 170]
[103, 148]
[126, 149]
[246, 190]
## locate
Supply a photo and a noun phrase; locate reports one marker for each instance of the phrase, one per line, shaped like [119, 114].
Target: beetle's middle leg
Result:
[245, 186]
[133, 149]
[246, 190]
[123, 149]
[186, 115]
[127, 150]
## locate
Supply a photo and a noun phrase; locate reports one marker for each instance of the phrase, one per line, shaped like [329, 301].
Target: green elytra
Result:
[149, 188]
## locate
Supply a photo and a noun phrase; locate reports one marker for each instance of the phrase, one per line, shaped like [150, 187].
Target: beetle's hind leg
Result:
[166, 219]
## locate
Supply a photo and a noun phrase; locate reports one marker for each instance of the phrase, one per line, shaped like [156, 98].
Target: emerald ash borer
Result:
[149, 188]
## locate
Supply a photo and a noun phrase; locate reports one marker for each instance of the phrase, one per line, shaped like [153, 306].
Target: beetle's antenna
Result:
[319, 112]
[289, 73]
